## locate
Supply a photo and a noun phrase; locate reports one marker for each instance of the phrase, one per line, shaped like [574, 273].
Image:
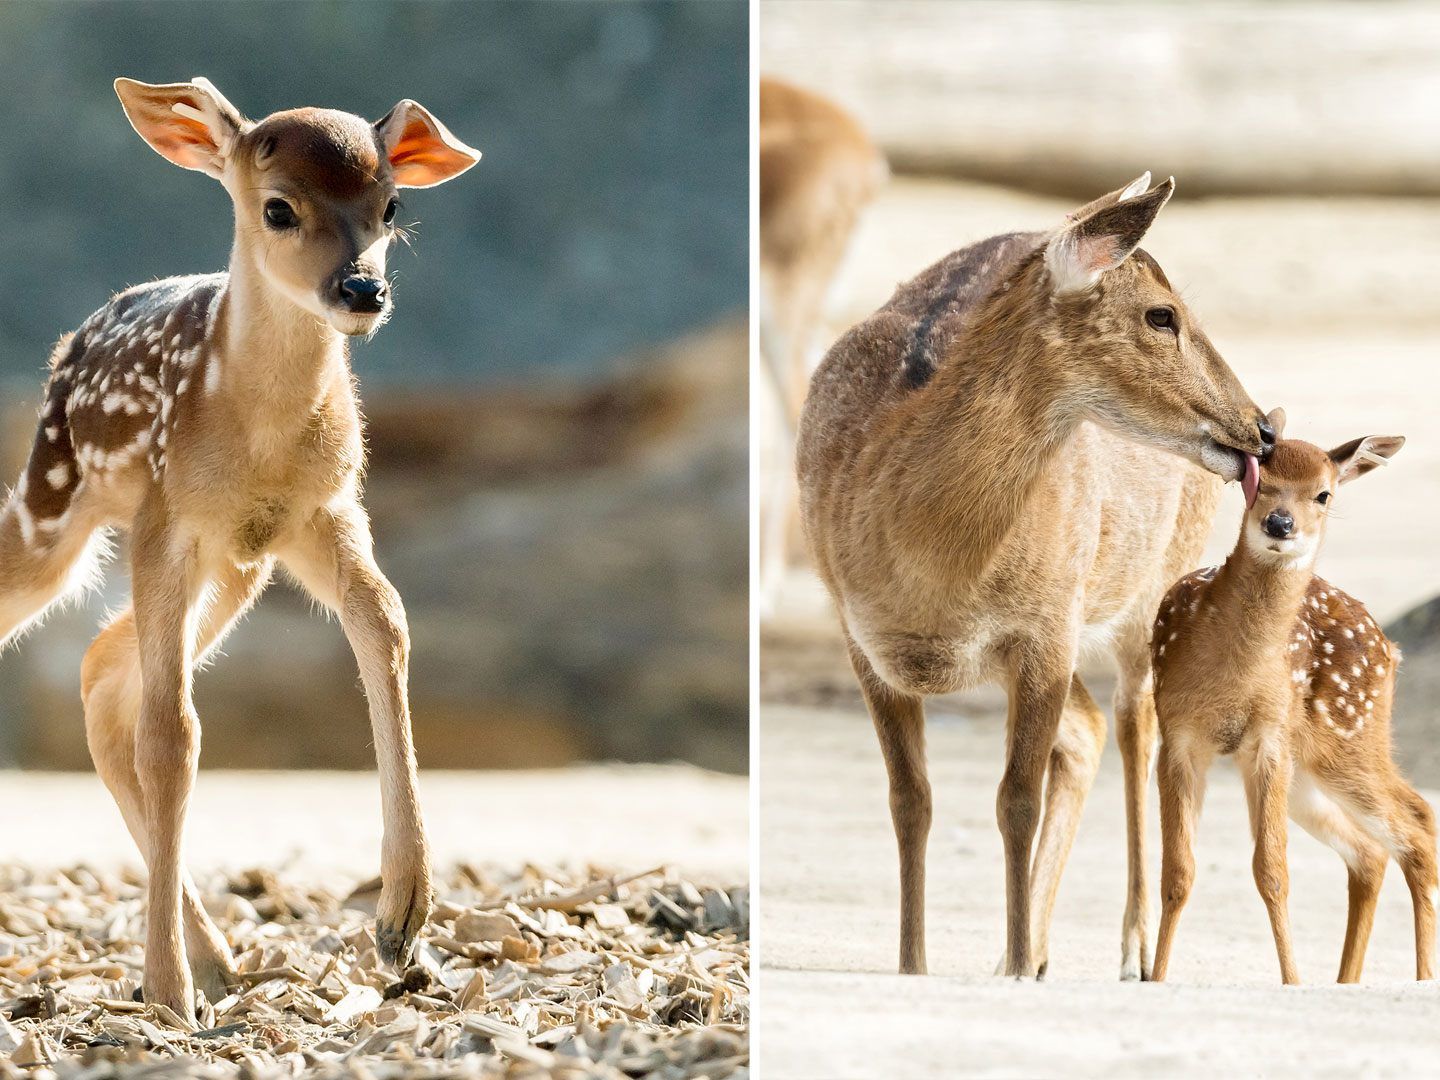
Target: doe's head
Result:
[1137, 357]
[1289, 499]
[315, 190]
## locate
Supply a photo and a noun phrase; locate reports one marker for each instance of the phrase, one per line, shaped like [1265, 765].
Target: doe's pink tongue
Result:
[1250, 479]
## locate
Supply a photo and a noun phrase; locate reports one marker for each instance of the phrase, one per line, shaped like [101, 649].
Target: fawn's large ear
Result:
[1080, 252]
[190, 123]
[421, 149]
[1138, 186]
[1276, 419]
[1359, 456]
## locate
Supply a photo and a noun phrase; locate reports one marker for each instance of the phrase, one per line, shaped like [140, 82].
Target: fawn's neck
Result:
[278, 359]
[1259, 600]
[967, 456]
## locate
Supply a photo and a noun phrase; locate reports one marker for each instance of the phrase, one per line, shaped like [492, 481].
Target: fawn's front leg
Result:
[1267, 785]
[333, 559]
[1182, 794]
[165, 582]
[1037, 695]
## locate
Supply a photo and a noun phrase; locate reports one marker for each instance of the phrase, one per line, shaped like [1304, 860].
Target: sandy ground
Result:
[630, 817]
[830, 1005]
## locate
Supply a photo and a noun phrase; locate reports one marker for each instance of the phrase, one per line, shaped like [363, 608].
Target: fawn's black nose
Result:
[1267, 436]
[1279, 525]
[364, 294]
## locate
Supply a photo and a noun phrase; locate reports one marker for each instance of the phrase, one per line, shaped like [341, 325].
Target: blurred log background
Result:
[557, 411]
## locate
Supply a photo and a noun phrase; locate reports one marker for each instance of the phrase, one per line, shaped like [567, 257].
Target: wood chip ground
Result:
[520, 974]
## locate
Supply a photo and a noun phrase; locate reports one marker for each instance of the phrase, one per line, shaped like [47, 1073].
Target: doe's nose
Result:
[1267, 436]
[1279, 524]
[364, 294]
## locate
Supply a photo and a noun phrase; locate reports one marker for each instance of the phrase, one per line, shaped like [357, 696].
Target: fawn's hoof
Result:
[403, 912]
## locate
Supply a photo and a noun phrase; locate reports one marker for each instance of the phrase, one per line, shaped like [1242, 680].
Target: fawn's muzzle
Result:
[1279, 525]
[364, 295]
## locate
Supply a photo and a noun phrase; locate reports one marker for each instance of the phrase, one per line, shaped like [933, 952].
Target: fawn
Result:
[979, 510]
[1304, 705]
[819, 170]
[216, 418]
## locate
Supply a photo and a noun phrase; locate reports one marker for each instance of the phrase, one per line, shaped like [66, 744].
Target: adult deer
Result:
[819, 170]
[997, 472]
[216, 418]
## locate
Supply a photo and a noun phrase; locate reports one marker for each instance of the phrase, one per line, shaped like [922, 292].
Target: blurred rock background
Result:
[557, 409]
[1305, 233]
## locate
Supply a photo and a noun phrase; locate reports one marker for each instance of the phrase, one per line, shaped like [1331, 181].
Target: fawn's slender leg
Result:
[1314, 811]
[1074, 761]
[166, 583]
[110, 688]
[900, 723]
[333, 559]
[1182, 794]
[1267, 781]
[1038, 692]
[1136, 732]
[1411, 824]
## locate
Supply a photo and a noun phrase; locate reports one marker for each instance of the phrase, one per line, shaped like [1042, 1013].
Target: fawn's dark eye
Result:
[280, 215]
[1161, 318]
[390, 209]
[1323, 498]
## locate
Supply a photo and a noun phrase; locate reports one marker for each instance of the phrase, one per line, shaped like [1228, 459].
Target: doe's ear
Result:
[1080, 252]
[1359, 456]
[1136, 187]
[421, 149]
[190, 123]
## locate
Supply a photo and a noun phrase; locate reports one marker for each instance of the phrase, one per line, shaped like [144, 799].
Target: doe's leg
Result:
[1038, 691]
[1136, 731]
[900, 724]
[333, 558]
[1074, 761]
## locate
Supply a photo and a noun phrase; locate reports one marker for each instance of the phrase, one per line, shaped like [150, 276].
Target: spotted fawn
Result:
[216, 419]
[1262, 659]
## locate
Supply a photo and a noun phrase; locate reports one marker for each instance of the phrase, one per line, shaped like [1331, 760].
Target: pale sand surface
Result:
[831, 1006]
[318, 823]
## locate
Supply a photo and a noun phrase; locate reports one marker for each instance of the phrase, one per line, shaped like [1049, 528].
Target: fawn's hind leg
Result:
[1312, 808]
[1414, 825]
[111, 689]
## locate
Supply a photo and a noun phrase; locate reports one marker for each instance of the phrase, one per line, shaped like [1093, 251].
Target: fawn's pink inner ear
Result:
[1250, 480]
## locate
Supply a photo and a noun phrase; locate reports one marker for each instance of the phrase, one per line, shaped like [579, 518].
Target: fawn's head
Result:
[314, 189]
[1136, 357]
[1288, 498]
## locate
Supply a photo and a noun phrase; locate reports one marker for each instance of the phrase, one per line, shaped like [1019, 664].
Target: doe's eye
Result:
[1323, 498]
[1161, 318]
[279, 214]
[390, 209]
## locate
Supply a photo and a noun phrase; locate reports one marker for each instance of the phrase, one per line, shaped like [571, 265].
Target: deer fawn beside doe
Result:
[216, 418]
[1305, 684]
[997, 470]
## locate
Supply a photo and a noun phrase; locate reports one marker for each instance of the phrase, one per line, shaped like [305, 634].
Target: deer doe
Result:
[1008, 463]
[1303, 702]
[215, 418]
